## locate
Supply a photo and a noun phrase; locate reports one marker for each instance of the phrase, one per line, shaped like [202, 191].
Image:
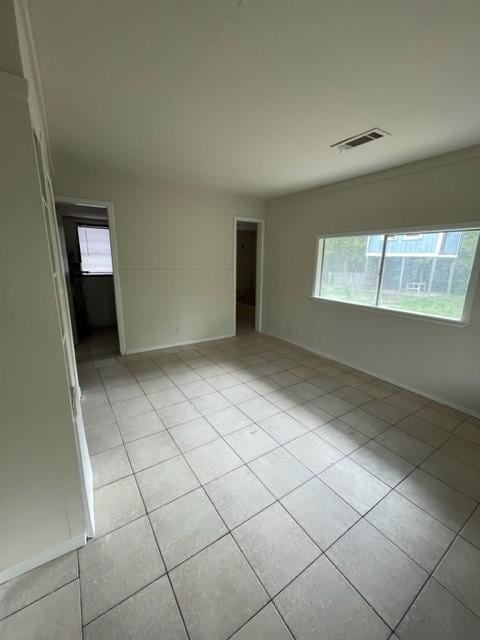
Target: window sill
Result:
[458, 324]
[94, 275]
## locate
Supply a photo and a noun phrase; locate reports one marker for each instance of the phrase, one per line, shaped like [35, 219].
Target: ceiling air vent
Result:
[360, 139]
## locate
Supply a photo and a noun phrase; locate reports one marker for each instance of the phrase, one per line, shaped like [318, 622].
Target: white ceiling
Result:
[247, 96]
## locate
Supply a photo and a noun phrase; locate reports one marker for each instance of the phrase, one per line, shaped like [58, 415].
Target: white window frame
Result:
[93, 225]
[464, 321]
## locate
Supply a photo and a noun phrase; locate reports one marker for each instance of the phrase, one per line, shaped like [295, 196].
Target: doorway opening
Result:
[248, 274]
[87, 252]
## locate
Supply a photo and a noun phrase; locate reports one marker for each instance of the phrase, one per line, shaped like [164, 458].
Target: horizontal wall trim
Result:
[41, 558]
[348, 363]
[168, 345]
[230, 268]
[13, 86]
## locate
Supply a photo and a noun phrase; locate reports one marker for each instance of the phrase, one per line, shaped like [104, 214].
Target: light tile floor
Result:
[247, 489]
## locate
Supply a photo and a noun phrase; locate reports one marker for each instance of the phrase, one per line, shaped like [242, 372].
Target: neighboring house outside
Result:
[421, 263]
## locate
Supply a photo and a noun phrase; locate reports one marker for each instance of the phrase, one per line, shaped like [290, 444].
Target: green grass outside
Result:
[442, 305]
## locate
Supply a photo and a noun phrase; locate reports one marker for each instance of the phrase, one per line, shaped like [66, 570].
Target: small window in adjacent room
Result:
[424, 273]
[95, 250]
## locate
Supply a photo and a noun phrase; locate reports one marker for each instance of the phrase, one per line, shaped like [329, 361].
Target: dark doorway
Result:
[87, 256]
[246, 281]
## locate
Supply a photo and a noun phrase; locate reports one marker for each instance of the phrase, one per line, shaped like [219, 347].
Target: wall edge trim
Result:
[45, 556]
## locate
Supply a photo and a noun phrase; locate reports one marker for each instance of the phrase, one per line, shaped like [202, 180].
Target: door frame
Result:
[259, 271]
[114, 247]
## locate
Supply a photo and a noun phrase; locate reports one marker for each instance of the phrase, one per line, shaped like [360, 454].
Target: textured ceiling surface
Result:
[247, 96]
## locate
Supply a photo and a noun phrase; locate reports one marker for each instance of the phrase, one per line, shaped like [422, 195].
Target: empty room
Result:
[240, 314]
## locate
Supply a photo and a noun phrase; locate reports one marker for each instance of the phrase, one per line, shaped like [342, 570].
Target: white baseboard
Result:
[41, 558]
[178, 344]
[419, 392]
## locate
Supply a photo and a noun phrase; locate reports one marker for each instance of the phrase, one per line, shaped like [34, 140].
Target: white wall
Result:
[10, 59]
[439, 360]
[41, 507]
[175, 251]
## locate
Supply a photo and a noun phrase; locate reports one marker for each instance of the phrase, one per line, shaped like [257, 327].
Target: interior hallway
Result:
[249, 477]
[99, 344]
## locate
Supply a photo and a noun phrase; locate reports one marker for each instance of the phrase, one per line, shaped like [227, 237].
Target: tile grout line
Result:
[314, 475]
[339, 417]
[429, 574]
[283, 445]
[45, 595]
[432, 577]
[390, 425]
[287, 388]
[276, 501]
[229, 533]
[152, 530]
[79, 591]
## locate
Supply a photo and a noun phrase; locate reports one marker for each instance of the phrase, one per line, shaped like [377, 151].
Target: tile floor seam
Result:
[240, 382]
[422, 508]
[152, 529]
[79, 592]
[262, 395]
[418, 465]
[181, 453]
[314, 430]
[431, 577]
[449, 455]
[356, 589]
[418, 468]
[45, 595]
[120, 602]
[270, 601]
[296, 438]
[278, 500]
[363, 516]
[429, 574]
[466, 539]
[264, 485]
[107, 484]
[229, 532]
[287, 387]
[220, 435]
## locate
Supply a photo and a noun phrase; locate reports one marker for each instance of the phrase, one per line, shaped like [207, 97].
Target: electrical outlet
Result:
[178, 330]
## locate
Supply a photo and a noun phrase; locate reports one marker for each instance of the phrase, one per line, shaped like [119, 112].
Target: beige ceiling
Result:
[247, 96]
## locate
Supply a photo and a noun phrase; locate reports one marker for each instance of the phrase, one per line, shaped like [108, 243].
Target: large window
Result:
[425, 273]
[95, 251]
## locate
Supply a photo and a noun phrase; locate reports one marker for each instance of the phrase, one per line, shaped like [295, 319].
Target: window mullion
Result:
[380, 271]
[320, 247]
